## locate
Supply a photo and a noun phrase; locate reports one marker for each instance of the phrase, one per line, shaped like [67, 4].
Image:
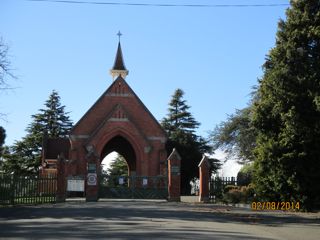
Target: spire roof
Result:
[118, 62]
[119, 69]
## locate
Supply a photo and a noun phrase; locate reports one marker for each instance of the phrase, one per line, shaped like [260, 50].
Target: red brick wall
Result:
[119, 112]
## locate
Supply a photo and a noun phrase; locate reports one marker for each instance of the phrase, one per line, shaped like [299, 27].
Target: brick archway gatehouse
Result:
[117, 121]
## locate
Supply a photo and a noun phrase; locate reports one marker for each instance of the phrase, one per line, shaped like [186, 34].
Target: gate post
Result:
[61, 180]
[92, 175]
[174, 164]
[204, 175]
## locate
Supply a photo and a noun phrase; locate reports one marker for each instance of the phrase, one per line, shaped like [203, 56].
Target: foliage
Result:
[236, 136]
[179, 116]
[2, 138]
[287, 111]
[118, 167]
[24, 156]
[237, 194]
[180, 126]
[245, 175]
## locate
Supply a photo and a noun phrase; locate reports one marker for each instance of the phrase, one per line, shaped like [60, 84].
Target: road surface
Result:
[114, 219]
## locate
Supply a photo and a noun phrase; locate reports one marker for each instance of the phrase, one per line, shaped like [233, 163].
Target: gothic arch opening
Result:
[114, 164]
[122, 146]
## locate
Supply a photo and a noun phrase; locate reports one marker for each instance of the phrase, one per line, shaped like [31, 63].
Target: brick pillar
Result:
[204, 175]
[61, 180]
[174, 164]
[93, 169]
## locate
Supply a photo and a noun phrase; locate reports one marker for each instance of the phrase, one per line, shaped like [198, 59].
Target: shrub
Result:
[238, 194]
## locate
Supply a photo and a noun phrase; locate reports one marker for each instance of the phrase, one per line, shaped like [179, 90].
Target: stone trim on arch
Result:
[118, 132]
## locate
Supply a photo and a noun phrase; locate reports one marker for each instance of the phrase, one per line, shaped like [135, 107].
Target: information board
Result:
[75, 184]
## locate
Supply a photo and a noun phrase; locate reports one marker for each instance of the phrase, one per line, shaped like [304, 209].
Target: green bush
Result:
[227, 188]
[238, 194]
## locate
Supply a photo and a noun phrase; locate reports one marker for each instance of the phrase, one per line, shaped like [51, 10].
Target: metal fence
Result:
[27, 189]
[140, 187]
[217, 185]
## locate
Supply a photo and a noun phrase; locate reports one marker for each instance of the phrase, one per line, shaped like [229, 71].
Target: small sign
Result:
[92, 168]
[175, 170]
[92, 179]
[145, 182]
[121, 180]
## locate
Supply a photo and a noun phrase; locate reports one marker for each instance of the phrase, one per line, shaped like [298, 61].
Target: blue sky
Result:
[214, 54]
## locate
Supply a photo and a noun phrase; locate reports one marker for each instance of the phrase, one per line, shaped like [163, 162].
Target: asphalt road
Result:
[152, 220]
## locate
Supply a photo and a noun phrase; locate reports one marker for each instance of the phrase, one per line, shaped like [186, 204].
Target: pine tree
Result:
[118, 167]
[287, 110]
[180, 126]
[179, 117]
[236, 136]
[24, 156]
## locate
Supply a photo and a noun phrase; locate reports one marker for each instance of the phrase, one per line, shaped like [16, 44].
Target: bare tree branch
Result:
[5, 67]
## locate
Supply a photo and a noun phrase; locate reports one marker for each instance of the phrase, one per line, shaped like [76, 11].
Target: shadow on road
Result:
[134, 220]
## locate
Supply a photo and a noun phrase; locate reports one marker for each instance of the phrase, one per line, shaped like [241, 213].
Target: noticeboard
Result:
[75, 184]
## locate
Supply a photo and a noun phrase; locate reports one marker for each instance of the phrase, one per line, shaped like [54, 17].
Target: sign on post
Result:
[121, 180]
[92, 179]
[92, 168]
[145, 182]
[175, 170]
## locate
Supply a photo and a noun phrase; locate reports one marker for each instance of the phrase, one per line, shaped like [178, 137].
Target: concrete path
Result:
[152, 220]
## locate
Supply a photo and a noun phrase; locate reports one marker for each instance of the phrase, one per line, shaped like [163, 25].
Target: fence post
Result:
[12, 191]
[174, 164]
[204, 174]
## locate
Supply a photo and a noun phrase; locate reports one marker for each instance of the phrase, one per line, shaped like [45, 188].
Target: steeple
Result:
[119, 68]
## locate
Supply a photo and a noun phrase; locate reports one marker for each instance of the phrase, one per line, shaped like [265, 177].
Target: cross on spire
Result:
[119, 35]
[119, 68]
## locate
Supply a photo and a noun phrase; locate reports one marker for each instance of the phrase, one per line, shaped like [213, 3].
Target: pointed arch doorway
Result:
[122, 146]
[129, 185]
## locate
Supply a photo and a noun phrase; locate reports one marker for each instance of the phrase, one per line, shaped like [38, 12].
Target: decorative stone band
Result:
[118, 120]
[78, 137]
[154, 138]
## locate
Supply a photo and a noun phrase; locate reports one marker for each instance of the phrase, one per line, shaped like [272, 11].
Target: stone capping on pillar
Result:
[204, 177]
[174, 176]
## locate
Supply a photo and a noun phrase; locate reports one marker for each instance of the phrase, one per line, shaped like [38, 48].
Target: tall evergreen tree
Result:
[24, 156]
[287, 110]
[236, 136]
[118, 167]
[180, 126]
[179, 117]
